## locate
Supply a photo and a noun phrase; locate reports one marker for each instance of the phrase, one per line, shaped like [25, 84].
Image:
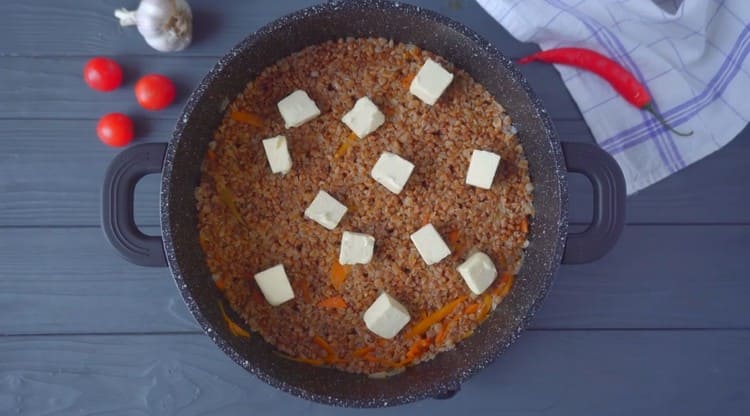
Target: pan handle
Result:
[605, 176]
[118, 220]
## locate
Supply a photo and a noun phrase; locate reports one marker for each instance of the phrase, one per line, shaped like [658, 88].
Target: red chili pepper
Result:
[618, 77]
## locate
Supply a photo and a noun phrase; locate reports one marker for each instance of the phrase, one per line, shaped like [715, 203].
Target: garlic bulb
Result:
[166, 25]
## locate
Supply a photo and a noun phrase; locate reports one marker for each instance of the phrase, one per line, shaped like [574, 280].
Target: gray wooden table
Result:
[659, 326]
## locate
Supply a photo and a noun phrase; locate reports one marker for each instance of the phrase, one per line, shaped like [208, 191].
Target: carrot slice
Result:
[221, 283]
[333, 302]
[471, 308]
[399, 364]
[235, 329]
[331, 356]
[324, 344]
[247, 118]
[486, 308]
[339, 272]
[440, 337]
[371, 358]
[422, 326]
[347, 144]
[454, 239]
[416, 350]
[453, 236]
[227, 198]
[406, 81]
[525, 225]
[506, 281]
[465, 335]
[342, 150]
[361, 352]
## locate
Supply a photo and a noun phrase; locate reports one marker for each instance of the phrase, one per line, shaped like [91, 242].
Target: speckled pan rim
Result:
[494, 350]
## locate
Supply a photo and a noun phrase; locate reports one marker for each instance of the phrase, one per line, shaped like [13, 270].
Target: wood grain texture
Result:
[53, 88]
[689, 276]
[545, 373]
[51, 173]
[216, 31]
[57, 280]
[710, 191]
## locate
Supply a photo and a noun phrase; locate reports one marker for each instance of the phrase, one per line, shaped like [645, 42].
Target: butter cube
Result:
[297, 109]
[430, 245]
[356, 248]
[277, 154]
[482, 169]
[386, 316]
[275, 285]
[392, 171]
[364, 118]
[430, 82]
[325, 210]
[478, 272]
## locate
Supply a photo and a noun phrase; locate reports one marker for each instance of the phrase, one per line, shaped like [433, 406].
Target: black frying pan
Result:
[179, 163]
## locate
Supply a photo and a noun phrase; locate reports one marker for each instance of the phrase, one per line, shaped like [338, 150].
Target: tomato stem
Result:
[650, 108]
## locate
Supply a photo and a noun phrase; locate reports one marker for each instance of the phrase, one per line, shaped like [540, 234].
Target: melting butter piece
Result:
[325, 210]
[386, 316]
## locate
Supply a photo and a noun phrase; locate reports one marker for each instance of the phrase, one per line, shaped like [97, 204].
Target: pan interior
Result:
[403, 23]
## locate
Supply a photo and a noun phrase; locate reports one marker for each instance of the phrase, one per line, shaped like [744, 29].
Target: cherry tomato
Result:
[102, 74]
[154, 92]
[115, 129]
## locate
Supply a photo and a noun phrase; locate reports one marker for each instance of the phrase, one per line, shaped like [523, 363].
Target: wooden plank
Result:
[52, 88]
[544, 373]
[28, 25]
[710, 191]
[51, 173]
[59, 280]
[688, 276]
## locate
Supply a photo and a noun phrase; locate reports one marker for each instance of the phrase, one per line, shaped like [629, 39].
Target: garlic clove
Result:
[166, 25]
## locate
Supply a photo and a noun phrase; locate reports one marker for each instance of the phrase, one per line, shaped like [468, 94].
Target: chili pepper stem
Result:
[650, 108]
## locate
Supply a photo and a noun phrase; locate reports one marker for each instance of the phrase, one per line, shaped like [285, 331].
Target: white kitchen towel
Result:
[690, 54]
